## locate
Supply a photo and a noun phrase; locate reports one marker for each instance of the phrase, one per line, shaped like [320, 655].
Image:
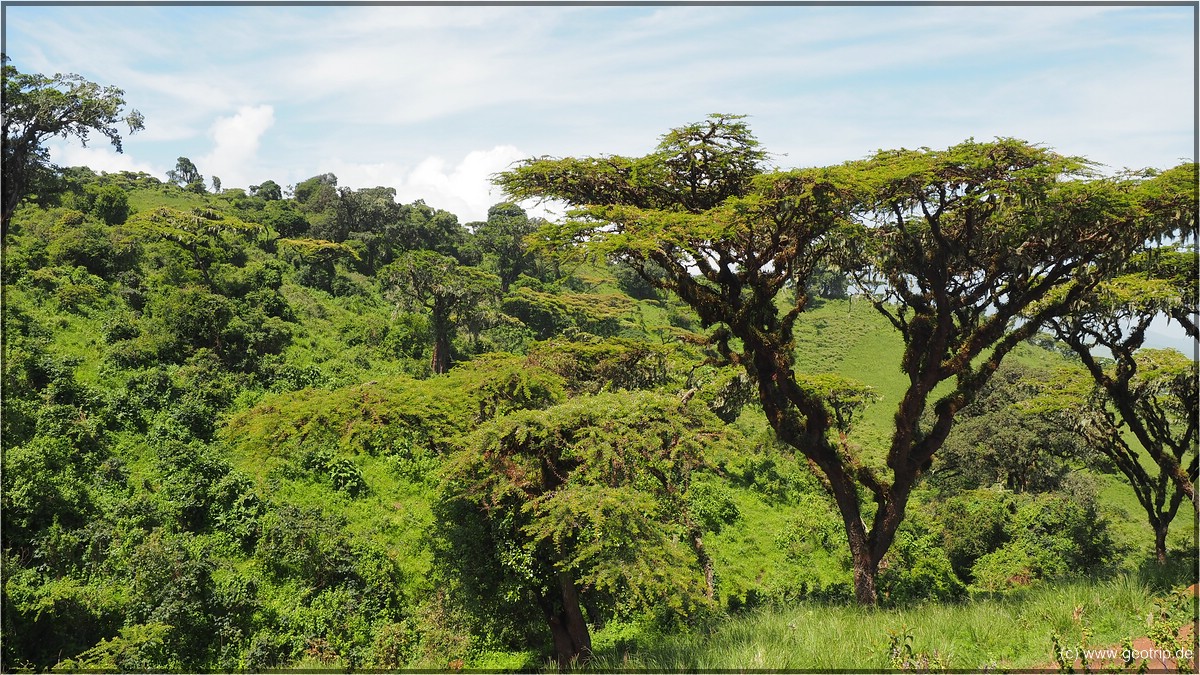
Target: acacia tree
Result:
[316, 259]
[1149, 392]
[581, 505]
[37, 108]
[439, 284]
[953, 245]
[968, 252]
[1160, 394]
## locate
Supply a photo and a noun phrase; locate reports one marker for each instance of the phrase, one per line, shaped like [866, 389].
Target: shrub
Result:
[46, 619]
[341, 473]
[592, 365]
[109, 203]
[45, 482]
[306, 545]
[1048, 536]
[917, 568]
[974, 524]
[171, 584]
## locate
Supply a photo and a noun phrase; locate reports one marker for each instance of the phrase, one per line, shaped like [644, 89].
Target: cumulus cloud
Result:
[463, 189]
[235, 144]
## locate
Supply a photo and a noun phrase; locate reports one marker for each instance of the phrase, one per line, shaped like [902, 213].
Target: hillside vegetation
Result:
[226, 448]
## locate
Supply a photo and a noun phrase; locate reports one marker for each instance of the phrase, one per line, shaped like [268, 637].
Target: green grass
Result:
[1013, 632]
[169, 196]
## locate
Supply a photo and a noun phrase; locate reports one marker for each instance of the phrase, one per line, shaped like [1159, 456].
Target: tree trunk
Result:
[1160, 543]
[866, 565]
[572, 641]
[440, 362]
[865, 570]
[706, 563]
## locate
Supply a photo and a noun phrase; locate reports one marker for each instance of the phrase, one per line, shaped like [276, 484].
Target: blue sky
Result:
[432, 100]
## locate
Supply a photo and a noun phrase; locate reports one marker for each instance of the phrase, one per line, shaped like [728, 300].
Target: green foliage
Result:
[35, 607]
[186, 176]
[591, 491]
[929, 235]
[902, 656]
[593, 365]
[502, 240]
[110, 204]
[918, 568]
[339, 471]
[712, 505]
[1048, 537]
[1002, 438]
[38, 108]
[103, 251]
[452, 293]
[974, 523]
[316, 260]
[284, 218]
[44, 484]
[843, 398]
[137, 648]
[224, 449]
[204, 238]
[1148, 394]
[633, 284]
[388, 416]
[726, 390]
[548, 314]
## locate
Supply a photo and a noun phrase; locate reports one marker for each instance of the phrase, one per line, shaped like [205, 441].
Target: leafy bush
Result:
[340, 472]
[592, 365]
[974, 524]
[1048, 537]
[141, 647]
[549, 314]
[47, 619]
[76, 243]
[917, 568]
[170, 583]
[306, 545]
[109, 203]
[394, 645]
[45, 482]
[1000, 440]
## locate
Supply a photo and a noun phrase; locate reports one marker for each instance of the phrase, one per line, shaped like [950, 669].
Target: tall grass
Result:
[1010, 632]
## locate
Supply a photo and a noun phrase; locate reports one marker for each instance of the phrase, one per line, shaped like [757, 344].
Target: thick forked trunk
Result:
[811, 441]
[866, 564]
[572, 641]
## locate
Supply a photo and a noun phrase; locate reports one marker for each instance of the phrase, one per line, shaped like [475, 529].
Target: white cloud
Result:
[95, 156]
[236, 139]
[406, 96]
[463, 189]
[466, 188]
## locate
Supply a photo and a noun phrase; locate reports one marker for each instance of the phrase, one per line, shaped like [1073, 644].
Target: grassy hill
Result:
[222, 456]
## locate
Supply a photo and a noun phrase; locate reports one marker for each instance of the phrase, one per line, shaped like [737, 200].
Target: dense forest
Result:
[898, 413]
